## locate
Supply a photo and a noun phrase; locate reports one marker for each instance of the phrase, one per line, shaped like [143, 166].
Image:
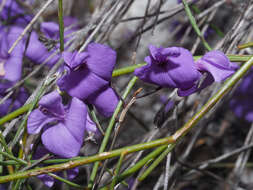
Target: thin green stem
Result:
[194, 25]
[86, 160]
[4, 144]
[151, 156]
[15, 114]
[95, 119]
[156, 162]
[126, 70]
[109, 130]
[61, 25]
[114, 179]
[66, 181]
[13, 158]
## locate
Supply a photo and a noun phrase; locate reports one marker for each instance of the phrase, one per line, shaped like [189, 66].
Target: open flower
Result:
[171, 67]
[63, 126]
[88, 77]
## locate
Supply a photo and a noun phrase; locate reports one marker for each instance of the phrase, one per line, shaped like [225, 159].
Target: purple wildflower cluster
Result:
[86, 78]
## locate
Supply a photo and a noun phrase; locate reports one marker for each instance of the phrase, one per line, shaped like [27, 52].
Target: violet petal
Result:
[105, 101]
[101, 60]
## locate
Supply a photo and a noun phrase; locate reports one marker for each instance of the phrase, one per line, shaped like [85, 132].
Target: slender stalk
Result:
[61, 25]
[15, 113]
[13, 158]
[66, 181]
[95, 119]
[114, 179]
[151, 156]
[126, 70]
[86, 160]
[156, 162]
[109, 130]
[194, 25]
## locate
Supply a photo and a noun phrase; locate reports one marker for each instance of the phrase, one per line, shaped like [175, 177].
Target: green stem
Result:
[114, 179]
[13, 158]
[156, 162]
[194, 25]
[126, 70]
[61, 25]
[86, 160]
[15, 113]
[95, 119]
[66, 181]
[109, 130]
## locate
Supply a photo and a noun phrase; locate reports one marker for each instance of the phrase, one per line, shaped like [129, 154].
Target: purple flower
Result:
[10, 64]
[63, 126]
[171, 67]
[241, 103]
[217, 66]
[13, 13]
[48, 180]
[88, 77]
[37, 51]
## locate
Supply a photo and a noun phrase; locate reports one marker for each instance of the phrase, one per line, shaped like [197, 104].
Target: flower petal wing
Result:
[105, 102]
[101, 60]
[58, 140]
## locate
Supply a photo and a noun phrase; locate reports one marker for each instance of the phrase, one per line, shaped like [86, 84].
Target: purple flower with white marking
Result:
[171, 67]
[88, 77]
[63, 126]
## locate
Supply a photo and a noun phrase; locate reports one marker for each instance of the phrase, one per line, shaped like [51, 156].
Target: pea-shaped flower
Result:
[171, 67]
[63, 126]
[88, 77]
